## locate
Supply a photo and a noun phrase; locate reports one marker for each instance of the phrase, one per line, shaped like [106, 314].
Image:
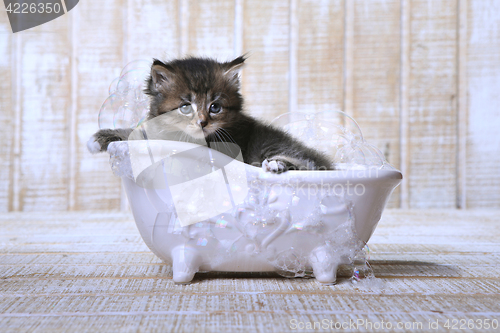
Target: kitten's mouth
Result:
[197, 132]
[207, 133]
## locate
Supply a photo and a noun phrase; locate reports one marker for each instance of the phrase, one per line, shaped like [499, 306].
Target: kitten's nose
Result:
[202, 122]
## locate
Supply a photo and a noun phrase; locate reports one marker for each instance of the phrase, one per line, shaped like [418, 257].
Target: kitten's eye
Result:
[215, 108]
[186, 109]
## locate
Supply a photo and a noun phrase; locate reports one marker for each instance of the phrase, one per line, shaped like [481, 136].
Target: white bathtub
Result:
[242, 219]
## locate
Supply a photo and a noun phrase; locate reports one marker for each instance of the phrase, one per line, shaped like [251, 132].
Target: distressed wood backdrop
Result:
[421, 77]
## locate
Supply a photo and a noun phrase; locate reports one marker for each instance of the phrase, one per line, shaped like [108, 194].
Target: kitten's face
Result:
[195, 96]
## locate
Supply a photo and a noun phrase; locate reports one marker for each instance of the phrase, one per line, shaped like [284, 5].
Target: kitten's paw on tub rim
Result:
[274, 166]
[93, 146]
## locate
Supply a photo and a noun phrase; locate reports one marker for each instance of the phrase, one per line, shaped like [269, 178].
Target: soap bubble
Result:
[107, 112]
[292, 263]
[112, 86]
[222, 226]
[137, 65]
[127, 105]
[360, 153]
[132, 83]
[334, 133]
[120, 112]
[361, 268]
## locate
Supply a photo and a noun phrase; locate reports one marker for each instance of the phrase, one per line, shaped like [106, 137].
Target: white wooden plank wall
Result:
[153, 30]
[432, 108]
[319, 55]
[210, 28]
[420, 76]
[39, 117]
[7, 113]
[376, 76]
[99, 41]
[482, 150]
[266, 35]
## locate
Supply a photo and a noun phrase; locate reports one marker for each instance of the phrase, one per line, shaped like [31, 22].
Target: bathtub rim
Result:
[341, 172]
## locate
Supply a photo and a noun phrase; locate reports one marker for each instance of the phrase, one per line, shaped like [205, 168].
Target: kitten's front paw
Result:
[275, 166]
[101, 139]
[93, 145]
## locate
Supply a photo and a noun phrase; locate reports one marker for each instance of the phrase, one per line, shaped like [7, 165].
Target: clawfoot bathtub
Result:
[202, 210]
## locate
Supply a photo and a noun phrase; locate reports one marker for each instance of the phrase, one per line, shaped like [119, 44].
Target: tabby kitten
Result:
[201, 98]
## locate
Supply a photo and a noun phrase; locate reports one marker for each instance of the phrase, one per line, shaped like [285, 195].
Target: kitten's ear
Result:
[232, 69]
[161, 76]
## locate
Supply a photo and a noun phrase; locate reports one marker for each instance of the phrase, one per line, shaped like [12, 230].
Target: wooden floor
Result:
[84, 272]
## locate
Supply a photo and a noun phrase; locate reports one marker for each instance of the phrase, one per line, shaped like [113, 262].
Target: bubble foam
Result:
[336, 134]
[127, 105]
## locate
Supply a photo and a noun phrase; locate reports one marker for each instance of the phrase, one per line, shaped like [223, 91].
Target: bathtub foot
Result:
[185, 264]
[324, 266]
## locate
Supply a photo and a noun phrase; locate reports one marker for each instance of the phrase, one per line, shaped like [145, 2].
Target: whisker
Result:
[227, 135]
[230, 139]
[224, 141]
[227, 140]
[219, 138]
[221, 134]
[183, 137]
